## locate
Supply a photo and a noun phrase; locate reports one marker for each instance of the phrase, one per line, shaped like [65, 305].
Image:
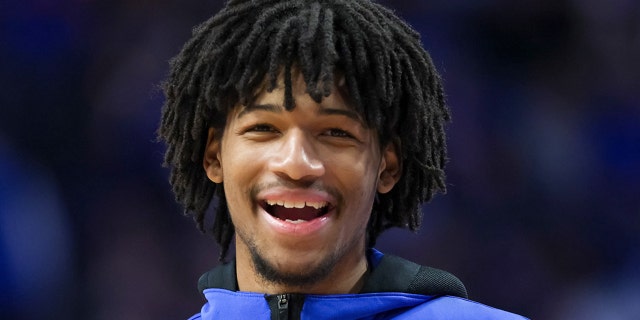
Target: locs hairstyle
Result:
[390, 79]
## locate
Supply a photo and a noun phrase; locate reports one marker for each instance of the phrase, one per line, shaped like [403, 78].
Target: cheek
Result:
[360, 168]
[358, 179]
[237, 173]
[237, 161]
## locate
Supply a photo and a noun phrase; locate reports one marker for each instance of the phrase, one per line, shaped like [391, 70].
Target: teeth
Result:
[295, 221]
[316, 205]
[297, 204]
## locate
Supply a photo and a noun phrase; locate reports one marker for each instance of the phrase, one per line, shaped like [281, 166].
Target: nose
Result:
[296, 157]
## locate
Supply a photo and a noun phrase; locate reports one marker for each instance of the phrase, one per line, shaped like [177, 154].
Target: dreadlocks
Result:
[389, 76]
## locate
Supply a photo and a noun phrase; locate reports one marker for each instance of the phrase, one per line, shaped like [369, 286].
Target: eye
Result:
[338, 133]
[261, 128]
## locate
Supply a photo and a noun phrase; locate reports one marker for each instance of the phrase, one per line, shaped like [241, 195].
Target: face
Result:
[299, 184]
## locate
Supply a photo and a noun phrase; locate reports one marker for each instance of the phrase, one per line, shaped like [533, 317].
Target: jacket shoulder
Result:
[395, 274]
[447, 307]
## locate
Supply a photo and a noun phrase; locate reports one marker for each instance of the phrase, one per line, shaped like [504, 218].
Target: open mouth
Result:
[295, 211]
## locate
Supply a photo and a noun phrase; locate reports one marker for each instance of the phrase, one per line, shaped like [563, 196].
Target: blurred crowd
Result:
[542, 213]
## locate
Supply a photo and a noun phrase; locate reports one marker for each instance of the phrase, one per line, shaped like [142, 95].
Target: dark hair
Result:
[390, 78]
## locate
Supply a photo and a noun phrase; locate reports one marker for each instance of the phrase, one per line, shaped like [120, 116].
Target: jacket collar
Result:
[389, 274]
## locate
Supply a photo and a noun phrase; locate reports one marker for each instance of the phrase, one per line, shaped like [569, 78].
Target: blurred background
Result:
[542, 214]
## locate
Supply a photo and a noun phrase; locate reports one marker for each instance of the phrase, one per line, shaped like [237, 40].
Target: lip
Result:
[301, 229]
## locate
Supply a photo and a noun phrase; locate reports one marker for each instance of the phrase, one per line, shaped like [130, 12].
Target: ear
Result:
[211, 160]
[390, 168]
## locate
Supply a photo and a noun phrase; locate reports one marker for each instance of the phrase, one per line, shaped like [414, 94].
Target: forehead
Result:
[337, 96]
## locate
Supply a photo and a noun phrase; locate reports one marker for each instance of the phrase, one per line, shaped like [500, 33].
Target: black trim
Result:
[221, 277]
[393, 274]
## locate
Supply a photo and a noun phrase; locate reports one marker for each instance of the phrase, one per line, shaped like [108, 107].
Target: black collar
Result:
[393, 274]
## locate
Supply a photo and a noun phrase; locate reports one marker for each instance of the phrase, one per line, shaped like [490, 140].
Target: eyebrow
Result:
[255, 107]
[343, 112]
[278, 109]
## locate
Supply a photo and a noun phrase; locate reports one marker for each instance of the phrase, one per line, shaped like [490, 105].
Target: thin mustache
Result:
[253, 192]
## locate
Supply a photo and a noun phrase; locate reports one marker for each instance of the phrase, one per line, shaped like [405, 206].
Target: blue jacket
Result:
[395, 289]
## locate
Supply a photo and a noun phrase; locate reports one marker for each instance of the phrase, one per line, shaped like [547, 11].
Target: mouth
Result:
[295, 212]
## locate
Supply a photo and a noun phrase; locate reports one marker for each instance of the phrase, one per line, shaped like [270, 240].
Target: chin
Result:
[294, 271]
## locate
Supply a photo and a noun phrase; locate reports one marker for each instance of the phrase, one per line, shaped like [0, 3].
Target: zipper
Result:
[285, 306]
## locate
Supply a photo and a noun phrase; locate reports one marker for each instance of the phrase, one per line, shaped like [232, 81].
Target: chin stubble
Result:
[307, 276]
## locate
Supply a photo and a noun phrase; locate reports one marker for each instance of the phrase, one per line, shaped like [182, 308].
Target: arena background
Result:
[542, 216]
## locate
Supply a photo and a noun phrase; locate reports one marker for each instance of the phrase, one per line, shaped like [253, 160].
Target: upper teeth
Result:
[297, 204]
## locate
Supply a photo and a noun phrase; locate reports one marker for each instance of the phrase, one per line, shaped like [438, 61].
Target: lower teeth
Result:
[295, 221]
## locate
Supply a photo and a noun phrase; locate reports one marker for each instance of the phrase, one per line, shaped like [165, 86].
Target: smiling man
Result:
[300, 185]
[312, 126]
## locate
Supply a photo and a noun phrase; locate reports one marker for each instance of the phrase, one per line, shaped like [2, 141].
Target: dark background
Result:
[542, 216]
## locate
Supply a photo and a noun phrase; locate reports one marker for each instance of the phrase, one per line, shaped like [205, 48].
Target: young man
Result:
[319, 125]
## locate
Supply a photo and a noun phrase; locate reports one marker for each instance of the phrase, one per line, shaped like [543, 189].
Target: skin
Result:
[320, 153]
